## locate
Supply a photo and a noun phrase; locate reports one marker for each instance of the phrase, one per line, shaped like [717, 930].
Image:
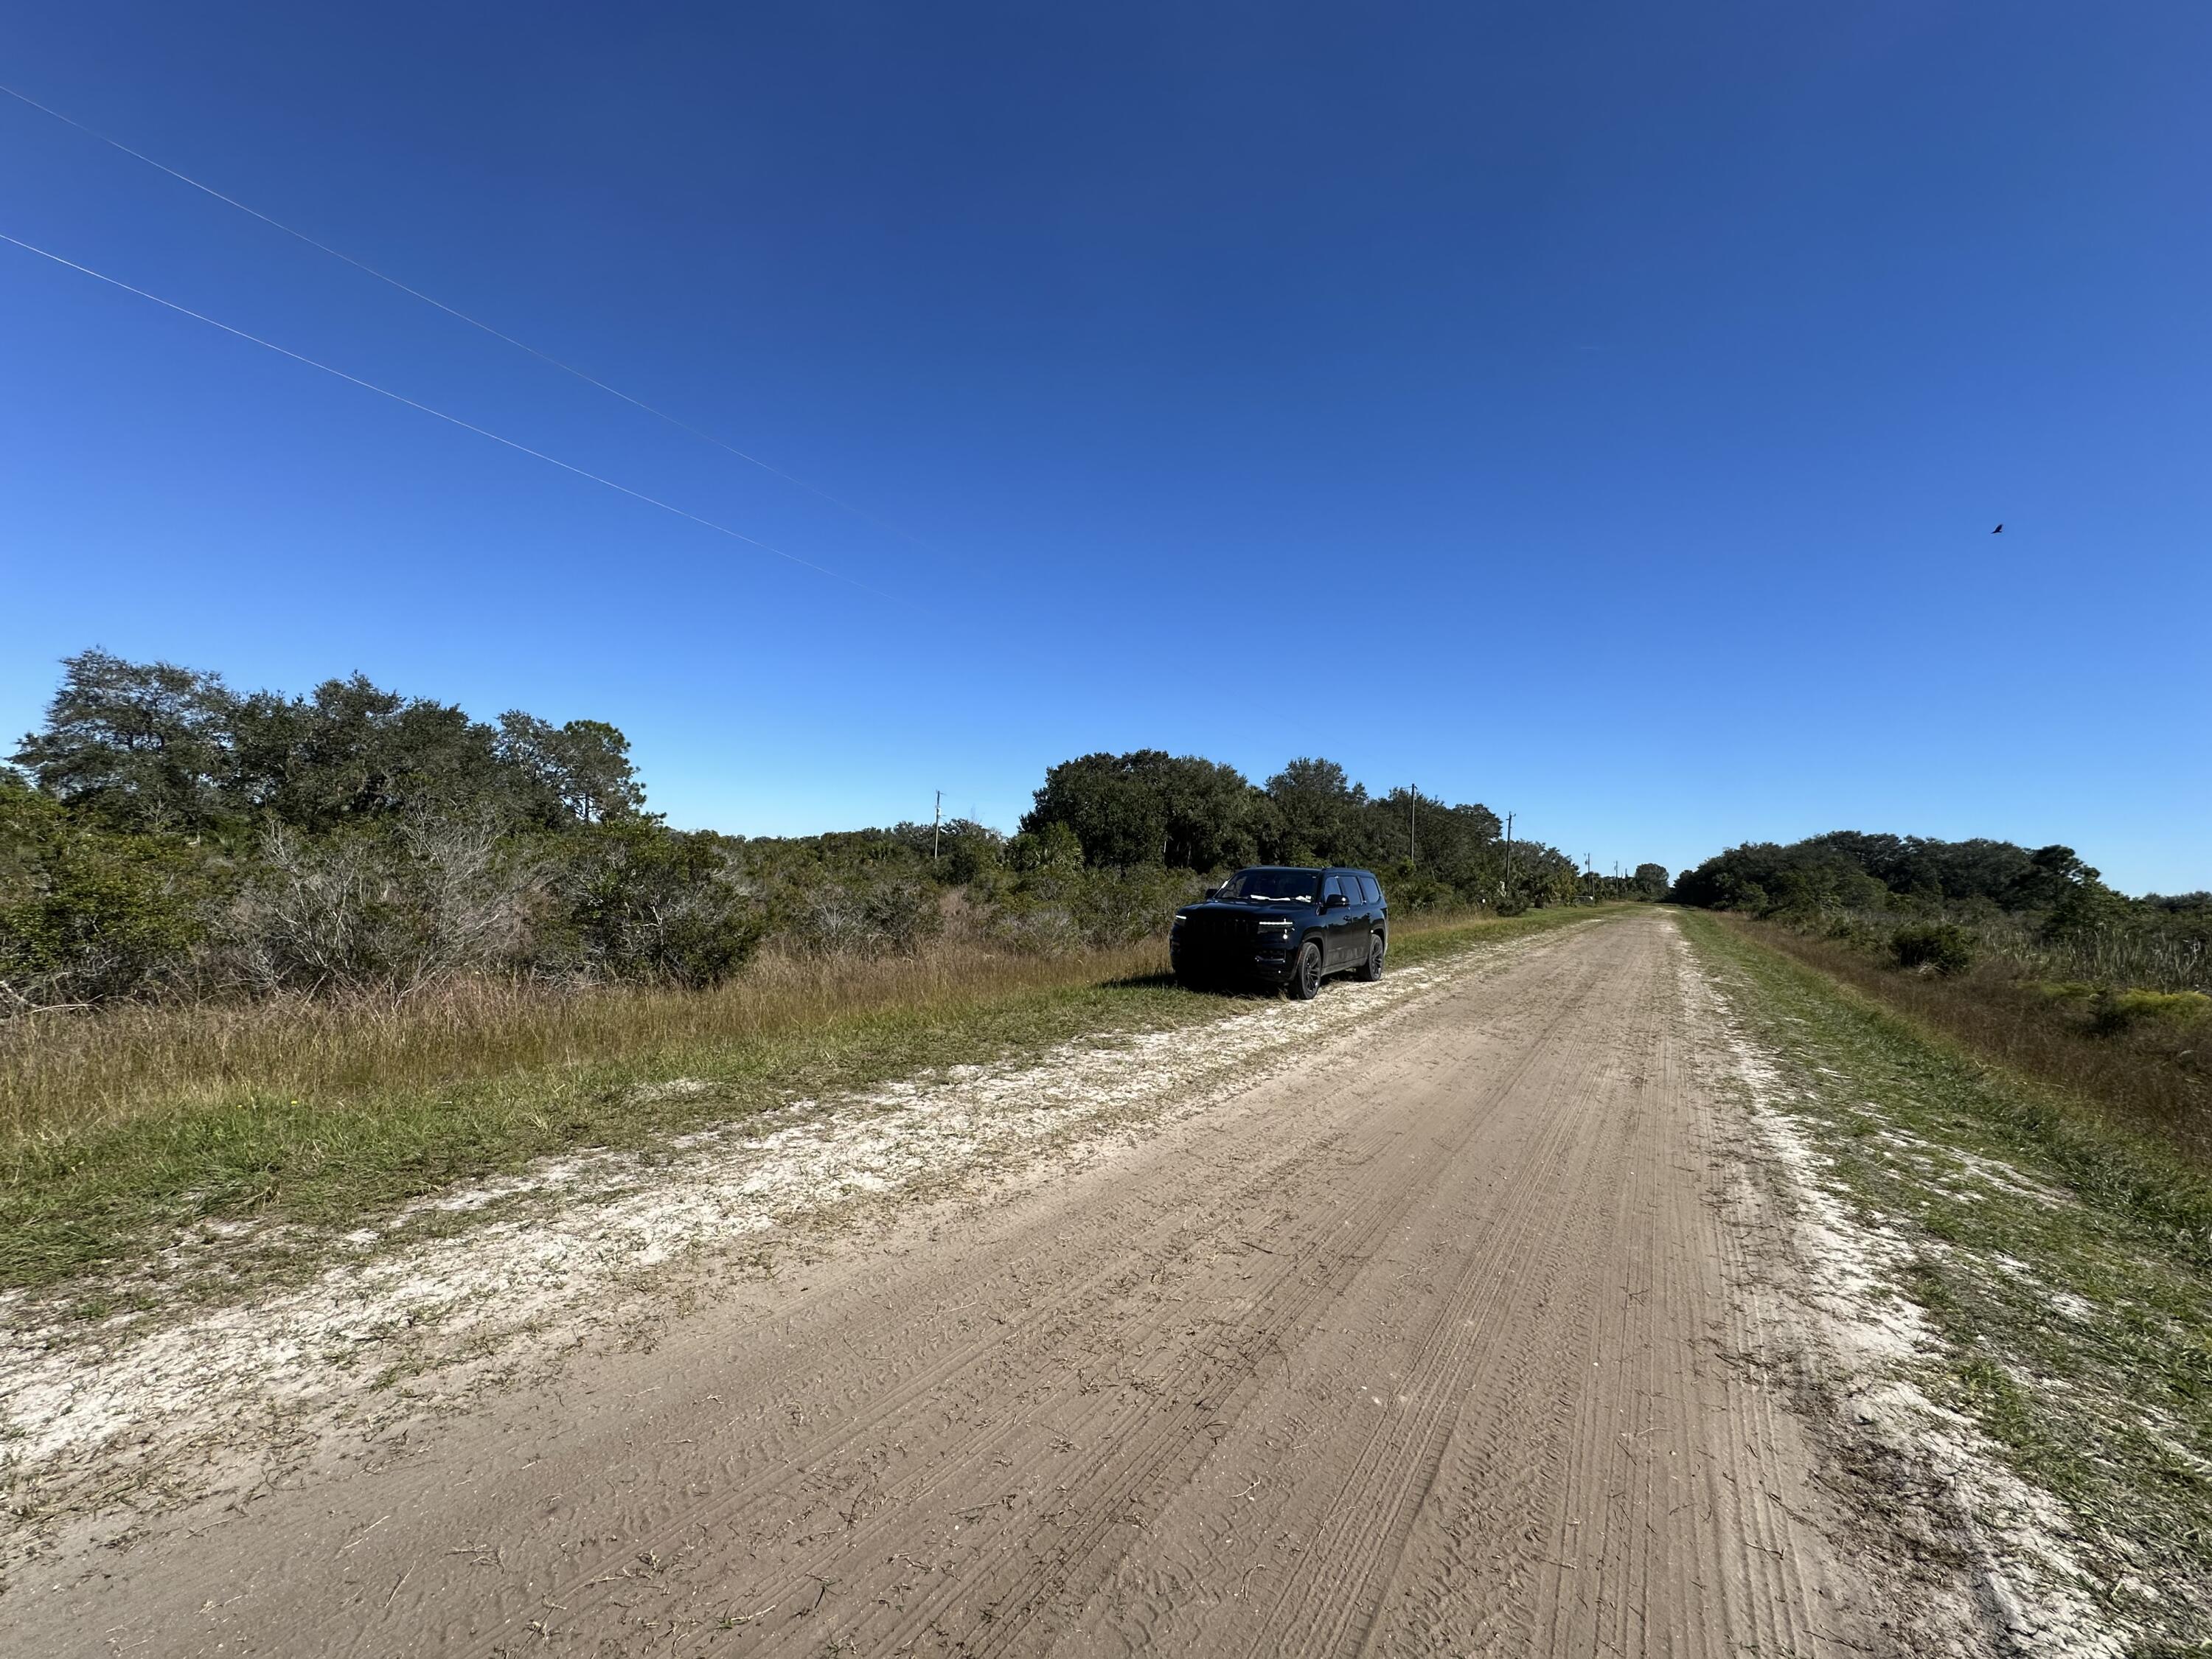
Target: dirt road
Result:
[1432, 1349]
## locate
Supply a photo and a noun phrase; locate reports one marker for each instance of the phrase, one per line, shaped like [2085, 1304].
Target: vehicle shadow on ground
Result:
[1229, 990]
[1225, 990]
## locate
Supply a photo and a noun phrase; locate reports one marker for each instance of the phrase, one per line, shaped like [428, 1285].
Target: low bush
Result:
[2112, 1014]
[1938, 947]
[1852, 931]
[88, 914]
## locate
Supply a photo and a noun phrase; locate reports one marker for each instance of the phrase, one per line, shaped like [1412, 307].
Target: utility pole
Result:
[1506, 886]
[1413, 811]
[937, 827]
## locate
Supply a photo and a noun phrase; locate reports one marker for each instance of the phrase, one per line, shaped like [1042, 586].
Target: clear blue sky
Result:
[1596, 411]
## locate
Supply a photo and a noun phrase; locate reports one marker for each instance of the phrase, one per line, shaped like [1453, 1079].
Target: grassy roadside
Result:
[2063, 1262]
[2141, 1056]
[325, 1124]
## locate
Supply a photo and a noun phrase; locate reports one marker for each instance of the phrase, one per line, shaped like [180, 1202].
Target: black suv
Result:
[1282, 925]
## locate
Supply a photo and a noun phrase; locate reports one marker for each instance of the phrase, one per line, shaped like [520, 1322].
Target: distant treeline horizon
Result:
[1846, 868]
[2040, 916]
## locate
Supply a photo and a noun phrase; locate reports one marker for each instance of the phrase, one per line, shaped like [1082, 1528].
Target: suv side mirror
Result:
[1334, 902]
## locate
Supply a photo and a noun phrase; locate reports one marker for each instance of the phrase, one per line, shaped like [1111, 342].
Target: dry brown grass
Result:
[118, 1128]
[65, 1074]
[2155, 1080]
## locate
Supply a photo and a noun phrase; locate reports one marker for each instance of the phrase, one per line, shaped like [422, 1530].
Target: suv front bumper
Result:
[1273, 963]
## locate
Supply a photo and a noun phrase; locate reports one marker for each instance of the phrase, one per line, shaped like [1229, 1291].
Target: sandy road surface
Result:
[1425, 1351]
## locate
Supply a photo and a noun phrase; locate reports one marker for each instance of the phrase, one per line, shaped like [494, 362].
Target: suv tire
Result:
[1305, 982]
[1371, 969]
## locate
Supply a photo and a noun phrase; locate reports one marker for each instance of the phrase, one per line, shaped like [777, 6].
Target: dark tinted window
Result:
[1302, 886]
[1367, 885]
[1336, 885]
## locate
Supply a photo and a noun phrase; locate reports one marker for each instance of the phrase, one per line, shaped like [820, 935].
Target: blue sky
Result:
[1599, 412]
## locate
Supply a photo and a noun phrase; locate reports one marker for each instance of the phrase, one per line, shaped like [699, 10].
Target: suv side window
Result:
[1373, 893]
[1334, 884]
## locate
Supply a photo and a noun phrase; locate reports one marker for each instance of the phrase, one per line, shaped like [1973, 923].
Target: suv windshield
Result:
[1294, 886]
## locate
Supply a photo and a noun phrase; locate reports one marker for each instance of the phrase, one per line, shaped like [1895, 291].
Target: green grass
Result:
[2064, 1261]
[92, 1186]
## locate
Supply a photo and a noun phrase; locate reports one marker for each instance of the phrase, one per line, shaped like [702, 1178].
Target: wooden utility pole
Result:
[1413, 813]
[1506, 886]
[937, 827]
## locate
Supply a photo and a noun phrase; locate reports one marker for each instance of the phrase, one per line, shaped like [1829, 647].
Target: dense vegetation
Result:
[165, 836]
[1941, 905]
[1149, 807]
[2027, 956]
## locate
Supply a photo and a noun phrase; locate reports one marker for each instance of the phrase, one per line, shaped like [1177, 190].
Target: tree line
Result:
[164, 834]
[1150, 807]
[1939, 902]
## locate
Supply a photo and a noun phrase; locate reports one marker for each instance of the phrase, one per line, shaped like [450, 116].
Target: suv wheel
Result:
[1305, 983]
[1373, 970]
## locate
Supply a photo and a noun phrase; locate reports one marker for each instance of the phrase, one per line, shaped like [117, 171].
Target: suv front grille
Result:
[1214, 929]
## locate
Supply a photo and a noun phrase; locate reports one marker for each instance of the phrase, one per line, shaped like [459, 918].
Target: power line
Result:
[451, 420]
[463, 316]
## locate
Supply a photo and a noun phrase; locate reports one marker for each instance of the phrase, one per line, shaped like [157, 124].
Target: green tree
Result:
[2052, 872]
[1117, 817]
[965, 849]
[353, 750]
[578, 773]
[1319, 814]
[2085, 908]
[1150, 807]
[146, 745]
[1457, 846]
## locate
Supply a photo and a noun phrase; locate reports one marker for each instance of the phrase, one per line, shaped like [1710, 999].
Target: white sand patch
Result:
[1870, 1338]
[79, 1411]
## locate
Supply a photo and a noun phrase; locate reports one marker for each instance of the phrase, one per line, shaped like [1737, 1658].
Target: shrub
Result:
[88, 914]
[646, 902]
[1940, 947]
[1851, 931]
[863, 914]
[375, 908]
[1054, 846]
[1412, 891]
[1071, 907]
[2116, 1012]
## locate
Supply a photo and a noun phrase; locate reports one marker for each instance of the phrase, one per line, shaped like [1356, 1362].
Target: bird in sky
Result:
[1999, 530]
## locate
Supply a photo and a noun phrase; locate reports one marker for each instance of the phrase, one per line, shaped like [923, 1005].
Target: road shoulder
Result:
[2008, 1360]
